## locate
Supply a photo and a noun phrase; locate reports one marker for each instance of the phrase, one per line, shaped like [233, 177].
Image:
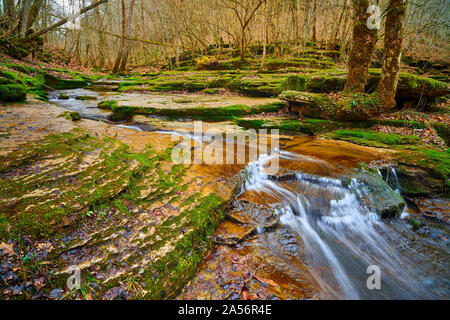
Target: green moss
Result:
[12, 93]
[295, 82]
[121, 113]
[307, 125]
[73, 116]
[107, 104]
[443, 131]
[20, 68]
[84, 98]
[276, 64]
[63, 96]
[211, 91]
[197, 113]
[57, 83]
[435, 162]
[165, 278]
[349, 107]
[373, 138]
[414, 223]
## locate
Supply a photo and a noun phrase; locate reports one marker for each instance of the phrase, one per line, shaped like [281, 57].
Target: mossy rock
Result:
[373, 138]
[20, 68]
[63, 96]
[12, 93]
[107, 104]
[416, 182]
[73, 116]
[57, 83]
[197, 113]
[325, 83]
[378, 196]
[443, 131]
[350, 107]
[4, 80]
[86, 98]
[295, 82]
[294, 126]
[121, 113]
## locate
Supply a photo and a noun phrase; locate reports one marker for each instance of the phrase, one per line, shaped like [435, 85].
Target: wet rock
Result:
[418, 182]
[229, 233]
[434, 209]
[257, 215]
[378, 195]
[84, 98]
[57, 83]
[63, 96]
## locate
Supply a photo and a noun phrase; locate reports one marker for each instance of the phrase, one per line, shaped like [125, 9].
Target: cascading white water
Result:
[340, 234]
[392, 179]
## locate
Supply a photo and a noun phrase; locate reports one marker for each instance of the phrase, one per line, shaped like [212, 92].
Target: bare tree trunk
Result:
[122, 38]
[393, 46]
[338, 27]
[314, 20]
[10, 11]
[123, 63]
[24, 15]
[364, 41]
[266, 17]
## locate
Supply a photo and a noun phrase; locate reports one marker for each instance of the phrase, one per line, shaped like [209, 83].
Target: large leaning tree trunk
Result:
[364, 41]
[393, 46]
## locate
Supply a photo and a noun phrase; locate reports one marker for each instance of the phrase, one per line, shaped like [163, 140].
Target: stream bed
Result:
[309, 232]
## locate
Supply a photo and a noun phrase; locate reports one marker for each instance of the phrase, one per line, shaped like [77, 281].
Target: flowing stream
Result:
[340, 234]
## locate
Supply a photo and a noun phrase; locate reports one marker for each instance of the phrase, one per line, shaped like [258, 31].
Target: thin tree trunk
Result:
[393, 46]
[266, 17]
[364, 41]
[123, 63]
[335, 34]
[122, 38]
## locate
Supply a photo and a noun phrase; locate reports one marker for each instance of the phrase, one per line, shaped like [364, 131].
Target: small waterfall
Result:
[392, 179]
[341, 236]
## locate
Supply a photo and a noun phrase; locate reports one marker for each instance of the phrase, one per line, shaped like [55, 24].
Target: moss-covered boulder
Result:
[412, 88]
[86, 98]
[63, 96]
[121, 113]
[12, 92]
[377, 194]
[107, 104]
[347, 107]
[212, 114]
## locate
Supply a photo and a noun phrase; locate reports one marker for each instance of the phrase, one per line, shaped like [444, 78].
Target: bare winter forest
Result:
[224, 150]
[150, 32]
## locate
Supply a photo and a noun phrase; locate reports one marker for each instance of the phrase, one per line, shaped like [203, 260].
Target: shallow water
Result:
[341, 237]
[324, 225]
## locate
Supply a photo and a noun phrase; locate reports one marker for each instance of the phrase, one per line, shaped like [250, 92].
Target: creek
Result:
[324, 226]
